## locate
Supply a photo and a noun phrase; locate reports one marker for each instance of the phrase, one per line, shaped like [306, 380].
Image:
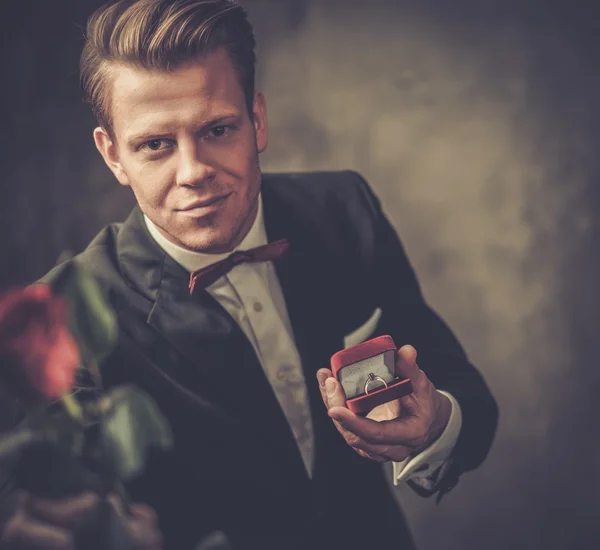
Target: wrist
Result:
[443, 410]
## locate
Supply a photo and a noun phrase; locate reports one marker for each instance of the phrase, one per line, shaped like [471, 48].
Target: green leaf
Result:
[130, 428]
[91, 319]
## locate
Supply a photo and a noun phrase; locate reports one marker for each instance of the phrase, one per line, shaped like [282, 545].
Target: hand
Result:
[395, 430]
[48, 524]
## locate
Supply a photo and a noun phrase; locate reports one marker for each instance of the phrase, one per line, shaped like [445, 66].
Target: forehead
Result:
[203, 89]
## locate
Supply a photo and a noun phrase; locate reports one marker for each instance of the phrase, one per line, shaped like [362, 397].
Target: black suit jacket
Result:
[236, 466]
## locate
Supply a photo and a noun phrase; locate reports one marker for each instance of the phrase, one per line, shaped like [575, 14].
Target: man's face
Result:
[187, 147]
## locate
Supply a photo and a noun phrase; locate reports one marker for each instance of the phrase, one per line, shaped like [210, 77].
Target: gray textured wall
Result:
[475, 122]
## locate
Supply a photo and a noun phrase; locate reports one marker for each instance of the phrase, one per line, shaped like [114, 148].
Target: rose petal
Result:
[40, 353]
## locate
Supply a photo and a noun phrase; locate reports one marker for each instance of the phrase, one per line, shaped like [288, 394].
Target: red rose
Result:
[38, 355]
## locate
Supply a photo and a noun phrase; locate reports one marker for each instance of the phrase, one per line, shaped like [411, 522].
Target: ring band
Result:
[372, 378]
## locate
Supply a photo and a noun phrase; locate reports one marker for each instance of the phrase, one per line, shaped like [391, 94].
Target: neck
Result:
[251, 235]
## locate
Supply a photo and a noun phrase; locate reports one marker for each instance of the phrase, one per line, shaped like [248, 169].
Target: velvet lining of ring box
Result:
[352, 367]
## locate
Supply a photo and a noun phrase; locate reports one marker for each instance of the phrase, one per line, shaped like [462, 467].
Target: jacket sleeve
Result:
[409, 320]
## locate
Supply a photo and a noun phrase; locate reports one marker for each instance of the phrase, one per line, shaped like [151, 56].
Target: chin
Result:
[210, 244]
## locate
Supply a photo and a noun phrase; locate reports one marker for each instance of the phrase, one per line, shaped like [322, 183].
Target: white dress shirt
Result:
[252, 295]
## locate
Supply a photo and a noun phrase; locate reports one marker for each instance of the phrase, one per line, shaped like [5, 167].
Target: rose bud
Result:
[38, 356]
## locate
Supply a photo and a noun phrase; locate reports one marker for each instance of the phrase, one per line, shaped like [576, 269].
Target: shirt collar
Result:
[192, 261]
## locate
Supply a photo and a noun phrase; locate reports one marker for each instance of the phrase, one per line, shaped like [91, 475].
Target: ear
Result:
[108, 150]
[260, 121]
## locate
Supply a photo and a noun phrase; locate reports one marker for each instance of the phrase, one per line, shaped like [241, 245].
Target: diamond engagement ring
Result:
[372, 378]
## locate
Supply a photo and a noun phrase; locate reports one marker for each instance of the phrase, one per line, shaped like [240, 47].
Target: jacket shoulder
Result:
[99, 258]
[323, 187]
[337, 211]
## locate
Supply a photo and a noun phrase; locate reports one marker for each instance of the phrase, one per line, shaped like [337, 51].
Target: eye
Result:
[219, 131]
[154, 144]
[156, 147]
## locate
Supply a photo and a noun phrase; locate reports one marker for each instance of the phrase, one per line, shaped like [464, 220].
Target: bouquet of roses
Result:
[72, 439]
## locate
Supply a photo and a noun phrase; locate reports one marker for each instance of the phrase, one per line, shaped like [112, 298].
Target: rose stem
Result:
[95, 375]
[72, 406]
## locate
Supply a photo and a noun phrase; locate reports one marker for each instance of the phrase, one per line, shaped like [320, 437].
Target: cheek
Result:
[251, 176]
[240, 158]
[150, 183]
[246, 185]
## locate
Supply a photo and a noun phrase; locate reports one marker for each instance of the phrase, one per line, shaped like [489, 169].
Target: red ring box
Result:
[378, 354]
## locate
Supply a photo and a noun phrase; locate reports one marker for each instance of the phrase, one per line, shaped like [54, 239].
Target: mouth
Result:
[210, 202]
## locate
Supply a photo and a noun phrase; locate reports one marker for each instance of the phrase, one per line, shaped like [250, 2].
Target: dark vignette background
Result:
[476, 121]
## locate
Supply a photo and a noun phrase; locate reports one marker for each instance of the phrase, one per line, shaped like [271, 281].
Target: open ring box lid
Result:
[352, 366]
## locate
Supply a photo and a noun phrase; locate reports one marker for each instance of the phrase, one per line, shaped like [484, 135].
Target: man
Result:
[235, 349]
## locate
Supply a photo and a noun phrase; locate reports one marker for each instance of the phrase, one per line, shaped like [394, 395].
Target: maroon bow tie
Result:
[209, 274]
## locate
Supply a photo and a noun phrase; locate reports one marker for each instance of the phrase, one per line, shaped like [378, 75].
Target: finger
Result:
[399, 431]
[406, 363]
[66, 512]
[396, 454]
[333, 396]
[145, 533]
[26, 533]
[335, 393]
[386, 411]
[142, 523]
[322, 375]
[136, 511]
[144, 512]
[352, 438]
[380, 453]
[376, 458]
[406, 367]
[371, 449]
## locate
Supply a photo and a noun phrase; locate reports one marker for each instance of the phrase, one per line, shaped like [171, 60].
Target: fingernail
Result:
[330, 387]
[321, 378]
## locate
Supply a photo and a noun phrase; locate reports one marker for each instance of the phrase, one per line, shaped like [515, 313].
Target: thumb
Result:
[406, 363]
[335, 393]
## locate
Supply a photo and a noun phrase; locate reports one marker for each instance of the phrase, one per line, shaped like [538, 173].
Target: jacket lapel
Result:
[309, 274]
[211, 355]
[305, 273]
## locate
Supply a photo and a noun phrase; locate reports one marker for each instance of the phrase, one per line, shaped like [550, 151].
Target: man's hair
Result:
[162, 35]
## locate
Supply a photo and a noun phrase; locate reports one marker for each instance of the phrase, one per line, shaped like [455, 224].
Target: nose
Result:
[192, 169]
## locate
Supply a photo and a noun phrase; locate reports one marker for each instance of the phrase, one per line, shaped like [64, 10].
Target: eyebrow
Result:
[158, 133]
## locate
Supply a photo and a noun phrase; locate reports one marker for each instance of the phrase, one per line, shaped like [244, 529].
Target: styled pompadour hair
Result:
[162, 35]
